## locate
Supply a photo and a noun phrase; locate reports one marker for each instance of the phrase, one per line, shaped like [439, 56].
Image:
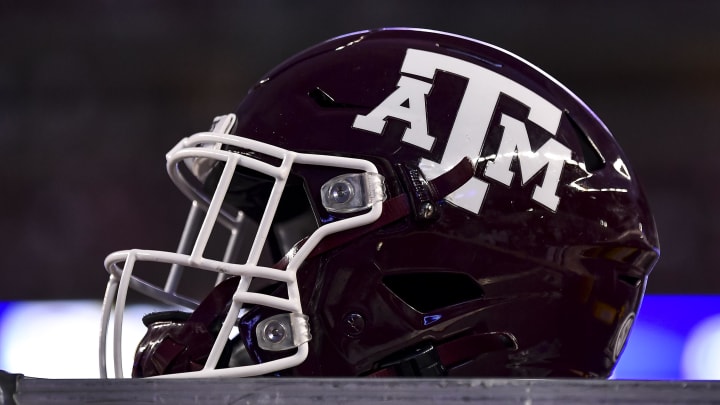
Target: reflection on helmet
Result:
[395, 202]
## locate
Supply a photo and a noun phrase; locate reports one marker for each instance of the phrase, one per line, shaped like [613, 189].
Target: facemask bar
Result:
[191, 230]
[207, 146]
[222, 125]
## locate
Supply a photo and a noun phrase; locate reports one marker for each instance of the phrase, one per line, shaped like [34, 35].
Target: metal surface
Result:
[353, 391]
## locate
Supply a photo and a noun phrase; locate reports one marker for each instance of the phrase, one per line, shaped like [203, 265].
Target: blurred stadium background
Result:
[92, 95]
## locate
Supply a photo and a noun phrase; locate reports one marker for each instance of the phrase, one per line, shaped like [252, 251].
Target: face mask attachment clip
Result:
[349, 193]
[283, 332]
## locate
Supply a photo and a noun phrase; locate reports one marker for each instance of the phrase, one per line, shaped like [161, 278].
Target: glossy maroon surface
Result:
[559, 283]
[518, 289]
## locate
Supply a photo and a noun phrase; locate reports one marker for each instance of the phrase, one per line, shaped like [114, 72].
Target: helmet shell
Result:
[561, 282]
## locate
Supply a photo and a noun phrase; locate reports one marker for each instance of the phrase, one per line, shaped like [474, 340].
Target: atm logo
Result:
[467, 137]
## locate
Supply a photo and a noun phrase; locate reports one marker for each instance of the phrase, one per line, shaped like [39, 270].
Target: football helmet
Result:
[395, 202]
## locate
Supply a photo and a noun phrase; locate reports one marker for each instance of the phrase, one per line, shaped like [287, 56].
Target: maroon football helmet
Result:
[397, 202]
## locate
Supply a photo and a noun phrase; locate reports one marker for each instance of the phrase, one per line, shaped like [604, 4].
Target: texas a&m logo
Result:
[471, 125]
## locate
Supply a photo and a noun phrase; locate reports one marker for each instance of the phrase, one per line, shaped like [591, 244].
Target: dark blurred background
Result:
[92, 95]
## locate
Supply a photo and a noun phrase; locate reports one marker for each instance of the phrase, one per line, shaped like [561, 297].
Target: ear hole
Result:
[427, 292]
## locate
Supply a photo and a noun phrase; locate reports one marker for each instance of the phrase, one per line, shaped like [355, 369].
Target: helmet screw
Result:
[275, 331]
[354, 324]
[427, 210]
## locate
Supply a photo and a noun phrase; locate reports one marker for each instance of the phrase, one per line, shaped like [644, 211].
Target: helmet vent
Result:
[427, 292]
[323, 99]
[594, 160]
[630, 280]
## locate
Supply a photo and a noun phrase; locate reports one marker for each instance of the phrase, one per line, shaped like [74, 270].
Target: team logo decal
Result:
[471, 125]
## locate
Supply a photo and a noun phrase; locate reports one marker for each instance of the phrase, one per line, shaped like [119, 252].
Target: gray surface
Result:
[355, 391]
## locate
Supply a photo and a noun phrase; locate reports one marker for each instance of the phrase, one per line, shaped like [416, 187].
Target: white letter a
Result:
[413, 91]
